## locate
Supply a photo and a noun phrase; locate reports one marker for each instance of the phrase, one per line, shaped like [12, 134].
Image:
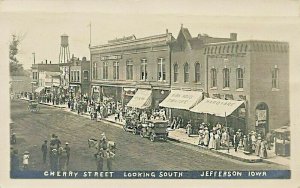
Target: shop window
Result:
[186, 73]
[176, 72]
[161, 67]
[197, 72]
[129, 70]
[78, 76]
[226, 81]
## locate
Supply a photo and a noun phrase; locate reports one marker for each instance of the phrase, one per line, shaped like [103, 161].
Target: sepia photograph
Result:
[140, 89]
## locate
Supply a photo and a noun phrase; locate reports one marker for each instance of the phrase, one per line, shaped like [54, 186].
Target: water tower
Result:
[64, 54]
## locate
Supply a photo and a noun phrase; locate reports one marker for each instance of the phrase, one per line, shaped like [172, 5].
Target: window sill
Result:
[198, 83]
[240, 90]
[213, 88]
[275, 89]
[226, 89]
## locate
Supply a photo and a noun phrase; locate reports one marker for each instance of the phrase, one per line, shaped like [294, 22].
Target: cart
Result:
[282, 141]
[33, 106]
[155, 129]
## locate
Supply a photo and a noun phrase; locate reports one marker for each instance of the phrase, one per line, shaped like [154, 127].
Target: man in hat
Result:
[53, 159]
[68, 151]
[44, 150]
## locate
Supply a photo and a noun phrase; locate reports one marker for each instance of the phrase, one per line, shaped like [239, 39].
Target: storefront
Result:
[141, 100]
[227, 112]
[180, 102]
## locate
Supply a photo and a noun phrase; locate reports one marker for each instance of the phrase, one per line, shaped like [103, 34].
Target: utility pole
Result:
[33, 57]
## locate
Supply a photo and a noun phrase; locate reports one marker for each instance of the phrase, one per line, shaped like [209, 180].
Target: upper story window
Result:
[226, 79]
[213, 73]
[105, 70]
[144, 72]
[129, 70]
[85, 75]
[95, 71]
[239, 78]
[275, 82]
[34, 75]
[197, 72]
[161, 67]
[176, 72]
[78, 76]
[186, 73]
[116, 70]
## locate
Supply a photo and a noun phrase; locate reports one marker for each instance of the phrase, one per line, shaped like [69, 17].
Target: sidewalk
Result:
[179, 135]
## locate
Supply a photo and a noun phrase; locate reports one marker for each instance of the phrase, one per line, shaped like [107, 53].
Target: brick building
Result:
[79, 76]
[256, 72]
[126, 65]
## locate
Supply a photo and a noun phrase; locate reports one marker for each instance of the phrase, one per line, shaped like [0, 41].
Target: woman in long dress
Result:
[217, 141]
[263, 149]
[206, 136]
[258, 146]
[211, 140]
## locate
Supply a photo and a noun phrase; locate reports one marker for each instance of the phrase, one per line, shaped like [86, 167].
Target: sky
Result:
[41, 23]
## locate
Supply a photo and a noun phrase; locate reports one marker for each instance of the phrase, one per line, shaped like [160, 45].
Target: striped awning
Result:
[141, 99]
[180, 99]
[217, 107]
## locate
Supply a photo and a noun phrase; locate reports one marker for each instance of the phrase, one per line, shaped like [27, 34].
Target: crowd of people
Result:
[222, 137]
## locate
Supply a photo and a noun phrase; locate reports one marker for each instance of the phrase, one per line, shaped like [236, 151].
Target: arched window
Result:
[186, 73]
[144, 69]
[176, 72]
[226, 79]
[239, 78]
[129, 70]
[213, 74]
[105, 70]
[197, 72]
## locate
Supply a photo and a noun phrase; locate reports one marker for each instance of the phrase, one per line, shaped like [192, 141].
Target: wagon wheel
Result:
[152, 137]
[125, 127]
[142, 134]
[134, 131]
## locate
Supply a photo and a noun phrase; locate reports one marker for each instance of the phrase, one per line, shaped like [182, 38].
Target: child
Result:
[25, 160]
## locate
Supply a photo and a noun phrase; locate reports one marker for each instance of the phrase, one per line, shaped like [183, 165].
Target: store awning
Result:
[141, 99]
[217, 107]
[39, 89]
[181, 99]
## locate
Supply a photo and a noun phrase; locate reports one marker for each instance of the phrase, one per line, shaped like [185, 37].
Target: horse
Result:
[94, 143]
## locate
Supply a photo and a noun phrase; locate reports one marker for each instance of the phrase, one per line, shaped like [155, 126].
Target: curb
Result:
[219, 153]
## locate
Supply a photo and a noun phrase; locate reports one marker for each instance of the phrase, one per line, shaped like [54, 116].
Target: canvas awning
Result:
[217, 107]
[39, 89]
[141, 99]
[181, 99]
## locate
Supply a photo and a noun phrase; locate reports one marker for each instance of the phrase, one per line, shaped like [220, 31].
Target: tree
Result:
[16, 69]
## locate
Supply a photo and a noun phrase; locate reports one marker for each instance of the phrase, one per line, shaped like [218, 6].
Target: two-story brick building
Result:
[256, 72]
[124, 66]
[79, 76]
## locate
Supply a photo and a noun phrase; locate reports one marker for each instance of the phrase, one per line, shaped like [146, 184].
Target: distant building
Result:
[20, 84]
[79, 76]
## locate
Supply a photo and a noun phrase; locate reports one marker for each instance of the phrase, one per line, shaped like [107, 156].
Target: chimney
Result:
[46, 61]
[233, 36]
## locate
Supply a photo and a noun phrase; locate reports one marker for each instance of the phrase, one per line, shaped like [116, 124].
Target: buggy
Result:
[155, 129]
[33, 106]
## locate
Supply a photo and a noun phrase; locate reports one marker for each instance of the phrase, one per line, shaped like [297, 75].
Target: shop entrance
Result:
[262, 118]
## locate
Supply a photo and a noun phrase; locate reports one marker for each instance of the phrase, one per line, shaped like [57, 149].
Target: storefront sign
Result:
[111, 57]
[261, 115]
